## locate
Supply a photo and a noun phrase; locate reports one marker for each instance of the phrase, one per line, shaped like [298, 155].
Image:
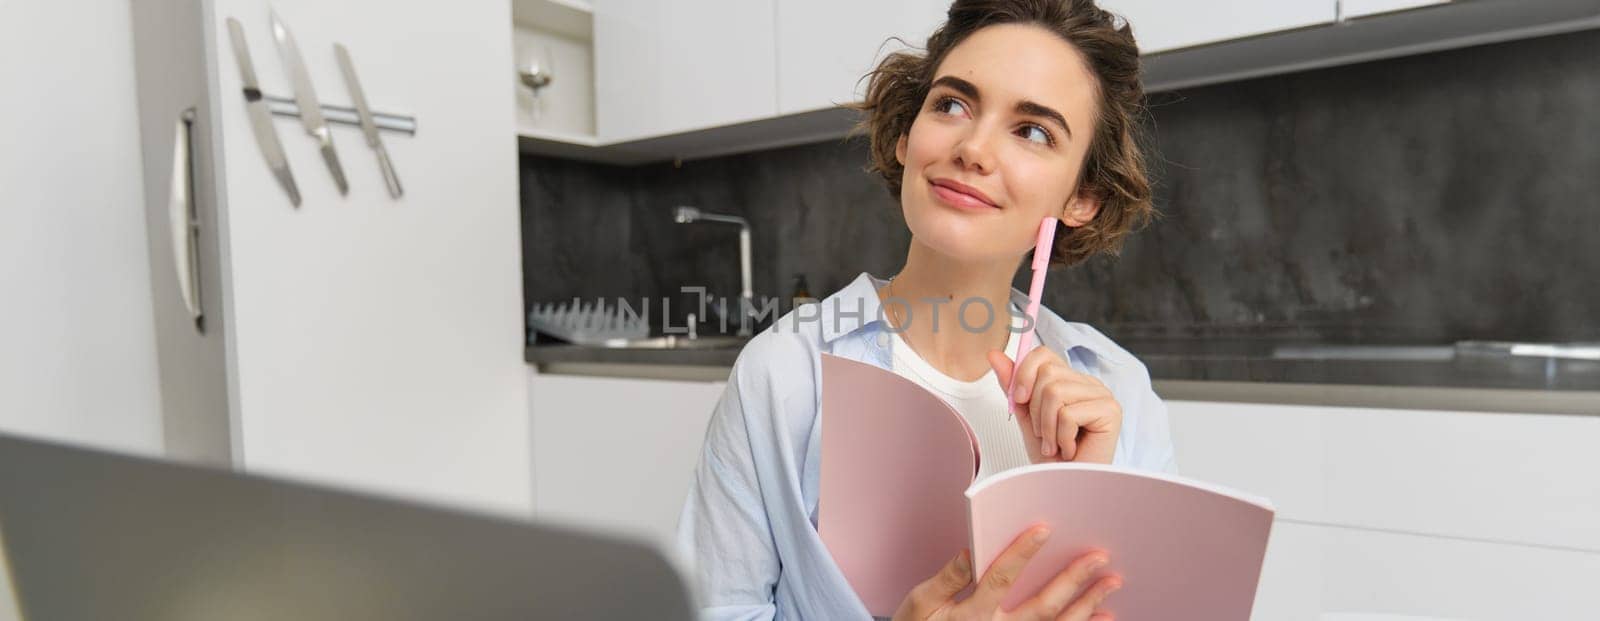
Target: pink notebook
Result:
[898, 502]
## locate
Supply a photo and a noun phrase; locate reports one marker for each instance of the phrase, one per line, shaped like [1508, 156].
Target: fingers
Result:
[1083, 608]
[1066, 435]
[937, 592]
[1055, 390]
[1041, 365]
[1055, 596]
[1002, 373]
[1100, 423]
[1027, 372]
[1005, 570]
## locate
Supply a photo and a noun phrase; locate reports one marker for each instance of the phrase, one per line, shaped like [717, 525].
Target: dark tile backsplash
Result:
[1432, 198]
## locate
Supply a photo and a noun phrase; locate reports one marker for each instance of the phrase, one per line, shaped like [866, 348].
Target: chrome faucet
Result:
[686, 214]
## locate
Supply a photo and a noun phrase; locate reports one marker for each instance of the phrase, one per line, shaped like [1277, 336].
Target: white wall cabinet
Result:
[668, 67]
[822, 56]
[1164, 25]
[700, 78]
[1351, 9]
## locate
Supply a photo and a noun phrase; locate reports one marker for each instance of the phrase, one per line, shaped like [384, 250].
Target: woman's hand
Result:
[1066, 415]
[1070, 596]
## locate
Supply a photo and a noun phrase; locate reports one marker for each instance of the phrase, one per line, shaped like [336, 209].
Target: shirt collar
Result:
[856, 306]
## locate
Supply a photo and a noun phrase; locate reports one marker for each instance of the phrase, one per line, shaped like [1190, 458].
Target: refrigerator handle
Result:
[184, 218]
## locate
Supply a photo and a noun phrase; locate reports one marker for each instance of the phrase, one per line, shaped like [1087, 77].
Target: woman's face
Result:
[998, 144]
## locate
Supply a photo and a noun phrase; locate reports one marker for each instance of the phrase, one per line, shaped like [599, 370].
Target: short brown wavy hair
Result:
[1113, 169]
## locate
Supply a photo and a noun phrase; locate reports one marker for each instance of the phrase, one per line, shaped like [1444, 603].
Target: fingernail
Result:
[1046, 448]
[1018, 395]
[1041, 535]
[1097, 563]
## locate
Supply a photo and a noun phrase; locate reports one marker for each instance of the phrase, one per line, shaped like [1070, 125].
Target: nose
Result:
[974, 151]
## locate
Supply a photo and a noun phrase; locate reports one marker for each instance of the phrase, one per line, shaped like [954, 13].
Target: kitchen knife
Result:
[306, 97]
[260, 117]
[367, 126]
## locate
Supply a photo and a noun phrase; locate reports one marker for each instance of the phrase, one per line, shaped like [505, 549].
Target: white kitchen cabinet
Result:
[557, 38]
[669, 67]
[1517, 478]
[1350, 9]
[1335, 573]
[1164, 25]
[1436, 514]
[617, 454]
[357, 340]
[823, 56]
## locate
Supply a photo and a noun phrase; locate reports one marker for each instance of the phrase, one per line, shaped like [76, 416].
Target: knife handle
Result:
[241, 52]
[389, 177]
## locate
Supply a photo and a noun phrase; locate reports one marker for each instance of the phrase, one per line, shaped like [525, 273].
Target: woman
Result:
[1019, 110]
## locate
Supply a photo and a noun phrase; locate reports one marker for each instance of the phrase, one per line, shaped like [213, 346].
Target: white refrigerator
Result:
[360, 340]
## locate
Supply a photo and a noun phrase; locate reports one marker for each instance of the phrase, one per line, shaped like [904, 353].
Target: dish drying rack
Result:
[586, 324]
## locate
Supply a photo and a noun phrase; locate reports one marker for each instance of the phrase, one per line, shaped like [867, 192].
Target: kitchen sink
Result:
[678, 341]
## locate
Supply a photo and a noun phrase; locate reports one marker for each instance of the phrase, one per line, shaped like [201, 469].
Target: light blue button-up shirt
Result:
[748, 530]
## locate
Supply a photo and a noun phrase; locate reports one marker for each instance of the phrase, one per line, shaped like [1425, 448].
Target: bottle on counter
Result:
[802, 292]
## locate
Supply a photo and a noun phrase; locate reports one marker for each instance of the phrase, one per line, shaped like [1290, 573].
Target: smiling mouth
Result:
[960, 196]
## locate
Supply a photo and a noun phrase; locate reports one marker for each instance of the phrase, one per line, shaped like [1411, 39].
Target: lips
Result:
[962, 195]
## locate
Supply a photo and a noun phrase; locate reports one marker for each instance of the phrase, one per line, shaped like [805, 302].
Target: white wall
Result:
[77, 342]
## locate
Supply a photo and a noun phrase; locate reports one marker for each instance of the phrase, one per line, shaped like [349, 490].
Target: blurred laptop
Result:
[93, 535]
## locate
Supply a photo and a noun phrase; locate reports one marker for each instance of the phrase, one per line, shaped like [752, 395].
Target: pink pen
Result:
[1041, 261]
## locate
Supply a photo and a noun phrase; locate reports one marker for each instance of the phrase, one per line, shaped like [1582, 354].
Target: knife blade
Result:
[306, 97]
[368, 128]
[260, 117]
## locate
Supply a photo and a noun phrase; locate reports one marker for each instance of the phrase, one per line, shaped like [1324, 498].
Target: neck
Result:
[933, 288]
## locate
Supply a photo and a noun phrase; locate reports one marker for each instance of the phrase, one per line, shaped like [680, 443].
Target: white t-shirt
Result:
[982, 402]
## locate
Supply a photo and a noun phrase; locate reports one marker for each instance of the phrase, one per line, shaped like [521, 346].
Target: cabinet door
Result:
[669, 67]
[1163, 25]
[376, 342]
[1386, 512]
[617, 454]
[1361, 8]
[823, 57]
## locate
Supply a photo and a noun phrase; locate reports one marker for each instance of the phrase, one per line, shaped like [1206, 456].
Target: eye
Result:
[1035, 133]
[949, 105]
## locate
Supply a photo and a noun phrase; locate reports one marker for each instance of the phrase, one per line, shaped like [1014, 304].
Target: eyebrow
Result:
[1026, 107]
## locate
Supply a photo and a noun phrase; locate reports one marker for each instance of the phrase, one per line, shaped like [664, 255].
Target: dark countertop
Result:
[1421, 376]
[1437, 366]
[1235, 361]
[546, 353]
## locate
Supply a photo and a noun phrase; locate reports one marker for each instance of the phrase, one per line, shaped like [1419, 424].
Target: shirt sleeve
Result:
[724, 534]
[1152, 440]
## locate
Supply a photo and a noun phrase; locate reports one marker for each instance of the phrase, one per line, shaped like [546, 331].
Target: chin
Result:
[955, 234]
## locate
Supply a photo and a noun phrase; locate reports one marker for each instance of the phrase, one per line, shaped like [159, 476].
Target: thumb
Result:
[937, 592]
[951, 579]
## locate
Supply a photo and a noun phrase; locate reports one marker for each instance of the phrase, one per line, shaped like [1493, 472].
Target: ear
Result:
[900, 150]
[1080, 210]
